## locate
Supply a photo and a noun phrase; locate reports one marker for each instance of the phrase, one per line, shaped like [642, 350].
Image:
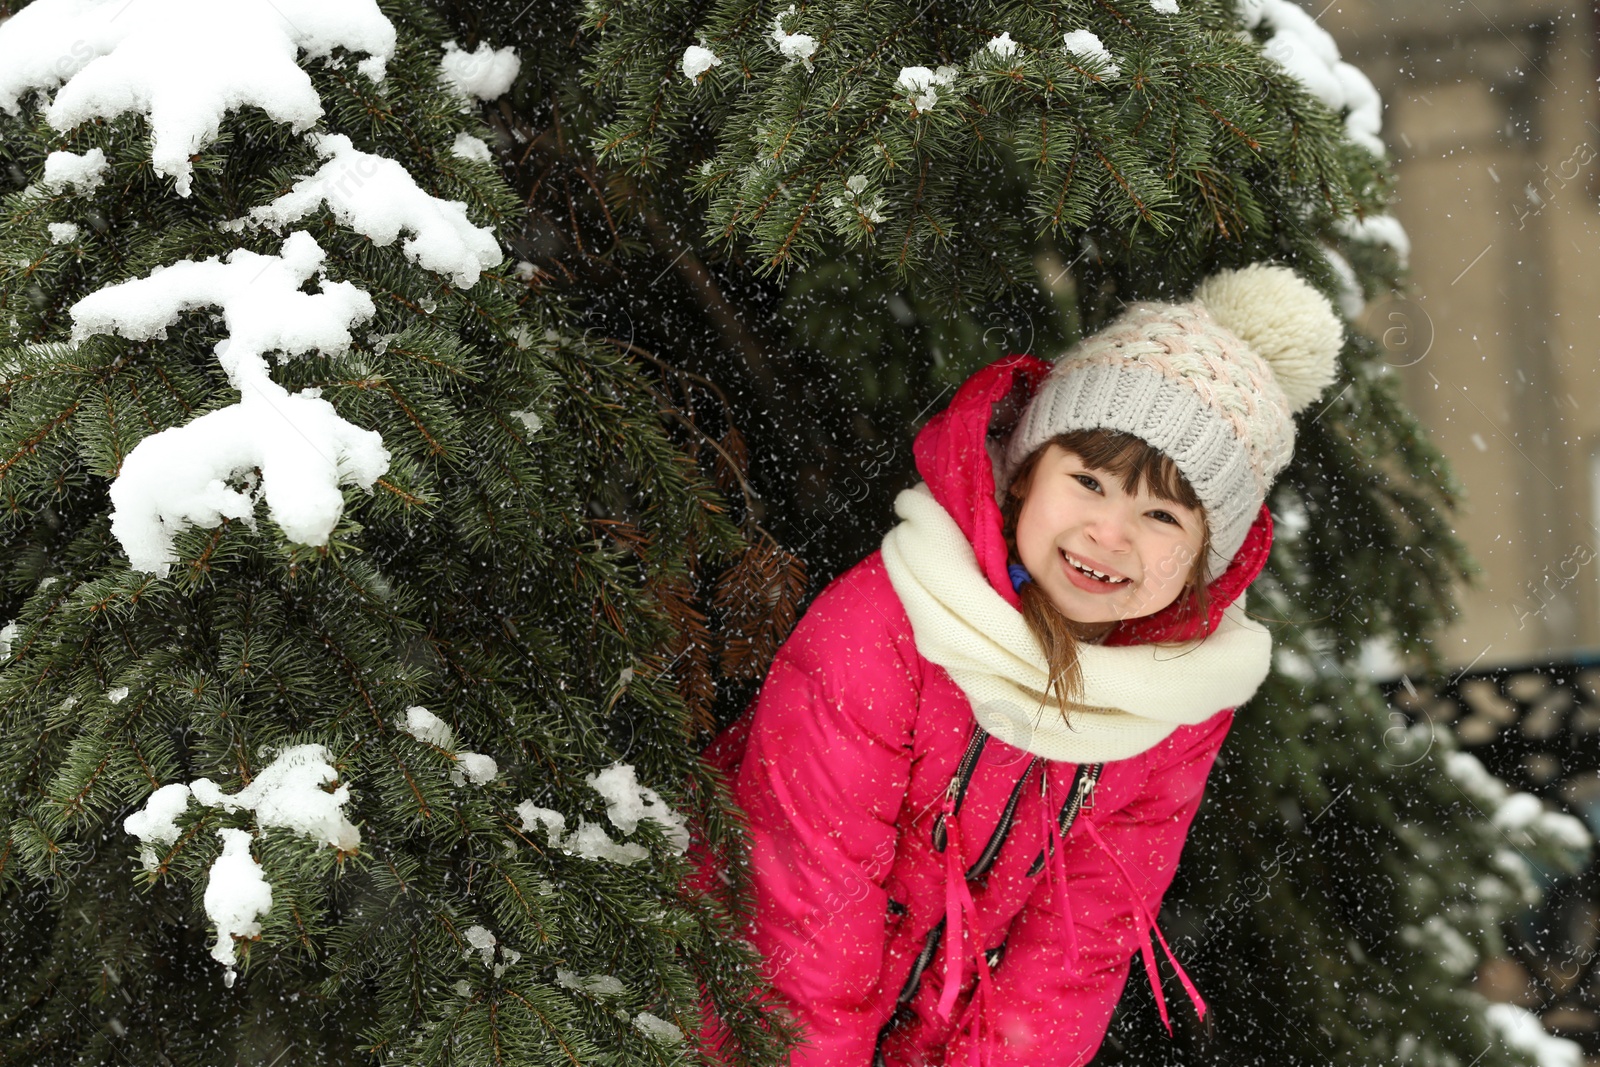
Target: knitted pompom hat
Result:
[1212, 383]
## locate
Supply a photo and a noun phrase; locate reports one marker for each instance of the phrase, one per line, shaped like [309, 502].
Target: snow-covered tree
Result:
[355, 640]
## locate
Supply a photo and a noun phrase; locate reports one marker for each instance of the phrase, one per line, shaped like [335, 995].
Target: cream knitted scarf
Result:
[1133, 696]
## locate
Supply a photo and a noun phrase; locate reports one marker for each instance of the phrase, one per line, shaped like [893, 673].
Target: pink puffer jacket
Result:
[882, 819]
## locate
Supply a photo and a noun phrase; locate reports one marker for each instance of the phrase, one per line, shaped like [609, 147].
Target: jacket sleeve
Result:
[824, 773]
[1046, 1013]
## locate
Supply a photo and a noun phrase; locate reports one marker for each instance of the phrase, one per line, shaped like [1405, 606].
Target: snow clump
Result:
[483, 942]
[485, 74]
[473, 149]
[8, 636]
[378, 197]
[530, 421]
[628, 802]
[184, 64]
[84, 173]
[204, 471]
[154, 824]
[1378, 229]
[1447, 944]
[1085, 45]
[697, 59]
[1002, 46]
[304, 451]
[1310, 55]
[236, 895]
[1351, 300]
[1164, 7]
[533, 816]
[63, 232]
[797, 47]
[657, 1029]
[1514, 813]
[591, 842]
[921, 83]
[601, 985]
[1520, 1029]
[288, 793]
[262, 306]
[428, 728]
[474, 767]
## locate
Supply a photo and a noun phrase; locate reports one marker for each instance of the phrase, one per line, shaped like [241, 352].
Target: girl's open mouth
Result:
[1086, 577]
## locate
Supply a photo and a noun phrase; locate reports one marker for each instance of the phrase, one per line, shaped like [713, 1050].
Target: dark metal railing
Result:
[1537, 728]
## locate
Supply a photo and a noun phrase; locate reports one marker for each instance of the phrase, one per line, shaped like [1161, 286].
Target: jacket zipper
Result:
[1081, 796]
[958, 784]
[1083, 783]
[902, 1003]
[925, 957]
[1002, 829]
[908, 992]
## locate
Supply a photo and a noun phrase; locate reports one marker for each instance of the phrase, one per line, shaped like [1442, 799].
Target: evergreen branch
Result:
[30, 444]
[1249, 141]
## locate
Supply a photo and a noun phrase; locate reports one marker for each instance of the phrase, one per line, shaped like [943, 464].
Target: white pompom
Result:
[1284, 321]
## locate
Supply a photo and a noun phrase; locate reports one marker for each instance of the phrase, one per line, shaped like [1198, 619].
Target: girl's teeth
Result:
[1094, 573]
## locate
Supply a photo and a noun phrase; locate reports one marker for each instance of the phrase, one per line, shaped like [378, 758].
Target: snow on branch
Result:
[378, 197]
[261, 303]
[289, 793]
[1310, 54]
[182, 63]
[923, 85]
[237, 895]
[428, 728]
[202, 472]
[84, 173]
[1086, 45]
[486, 74]
[181, 476]
[627, 804]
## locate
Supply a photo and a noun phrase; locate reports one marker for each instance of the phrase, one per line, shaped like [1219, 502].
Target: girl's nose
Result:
[1111, 530]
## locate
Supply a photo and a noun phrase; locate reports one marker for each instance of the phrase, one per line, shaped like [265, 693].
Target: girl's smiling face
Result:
[1100, 552]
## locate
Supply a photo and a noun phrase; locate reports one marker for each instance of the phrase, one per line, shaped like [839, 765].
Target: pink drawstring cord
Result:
[1147, 949]
[958, 899]
[1055, 870]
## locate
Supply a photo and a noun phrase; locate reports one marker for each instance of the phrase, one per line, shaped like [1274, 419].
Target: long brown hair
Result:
[1136, 464]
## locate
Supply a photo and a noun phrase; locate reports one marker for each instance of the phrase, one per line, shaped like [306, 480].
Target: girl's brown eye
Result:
[1165, 516]
[1088, 482]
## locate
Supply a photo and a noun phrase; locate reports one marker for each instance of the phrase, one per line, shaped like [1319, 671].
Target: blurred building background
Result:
[1493, 123]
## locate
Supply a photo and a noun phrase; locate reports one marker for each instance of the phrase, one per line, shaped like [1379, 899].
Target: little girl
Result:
[971, 769]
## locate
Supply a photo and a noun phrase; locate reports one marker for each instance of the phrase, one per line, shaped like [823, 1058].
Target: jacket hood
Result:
[956, 455]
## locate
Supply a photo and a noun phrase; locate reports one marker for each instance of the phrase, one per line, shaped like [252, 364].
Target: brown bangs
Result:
[1135, 463]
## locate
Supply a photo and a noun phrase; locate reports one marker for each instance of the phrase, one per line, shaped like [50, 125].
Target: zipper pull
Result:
[1086, 789]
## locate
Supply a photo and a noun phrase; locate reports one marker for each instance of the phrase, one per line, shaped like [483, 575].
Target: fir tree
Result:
[882, 197]
[397, 731]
